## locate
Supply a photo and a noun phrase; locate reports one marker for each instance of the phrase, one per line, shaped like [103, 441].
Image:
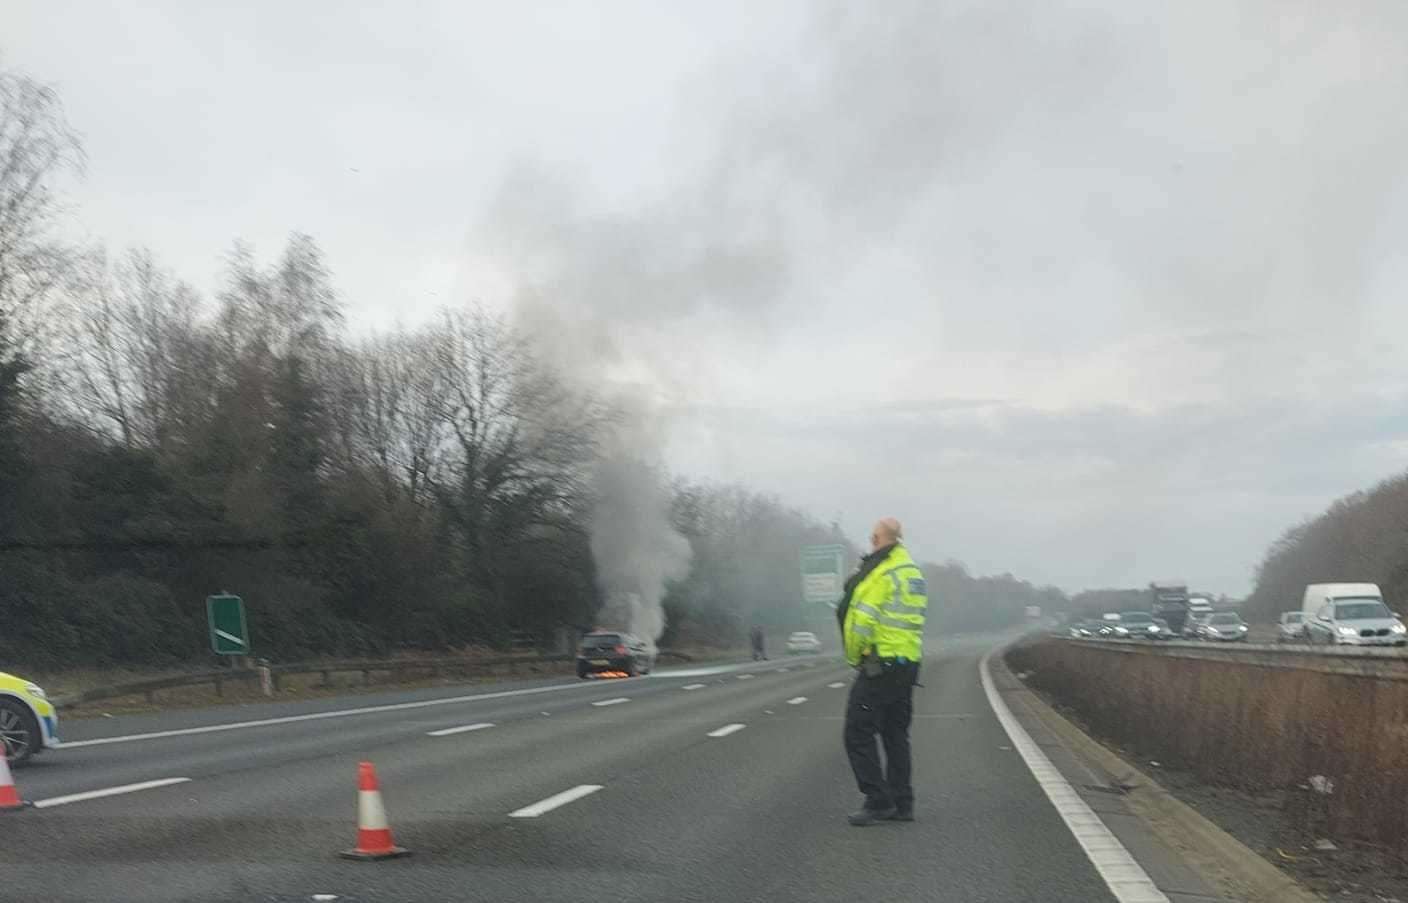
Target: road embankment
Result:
[1327, 734]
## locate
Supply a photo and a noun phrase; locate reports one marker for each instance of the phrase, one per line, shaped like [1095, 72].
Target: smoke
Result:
[636, 550]
[600, 296]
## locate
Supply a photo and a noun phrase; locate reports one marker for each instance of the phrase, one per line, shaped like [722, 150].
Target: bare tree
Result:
[36, 146]
[137, 357]
[520, 441]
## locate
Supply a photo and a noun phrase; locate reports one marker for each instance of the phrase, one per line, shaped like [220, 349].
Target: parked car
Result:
[1141, 625]
[609, 653]
[1291, 627]
[1197, 620]
[1350, 614]
[28, 722]
[1225, 627]
[803, 642]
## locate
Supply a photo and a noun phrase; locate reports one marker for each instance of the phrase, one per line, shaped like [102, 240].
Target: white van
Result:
[1350, 614]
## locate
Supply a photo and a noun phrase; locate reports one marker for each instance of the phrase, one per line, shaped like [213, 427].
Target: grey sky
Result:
[1094, 293]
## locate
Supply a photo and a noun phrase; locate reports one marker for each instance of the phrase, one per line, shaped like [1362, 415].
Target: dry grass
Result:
[1248, 727]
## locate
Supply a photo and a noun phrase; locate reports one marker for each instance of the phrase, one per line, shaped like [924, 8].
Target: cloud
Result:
[1094, 291]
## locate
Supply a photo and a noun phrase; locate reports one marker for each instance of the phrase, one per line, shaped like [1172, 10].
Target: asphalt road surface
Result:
[724, 783]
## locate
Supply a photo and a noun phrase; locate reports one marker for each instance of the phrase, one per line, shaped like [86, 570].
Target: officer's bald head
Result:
[886, 532]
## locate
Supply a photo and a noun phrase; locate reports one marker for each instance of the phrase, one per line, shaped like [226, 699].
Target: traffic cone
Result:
[373, 833]
[9, 795]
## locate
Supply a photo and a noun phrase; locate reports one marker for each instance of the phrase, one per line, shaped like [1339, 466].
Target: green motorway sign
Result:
[823, 574]
[228, 633]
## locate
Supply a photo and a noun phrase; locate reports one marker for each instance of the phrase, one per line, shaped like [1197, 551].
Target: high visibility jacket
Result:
[886, 614]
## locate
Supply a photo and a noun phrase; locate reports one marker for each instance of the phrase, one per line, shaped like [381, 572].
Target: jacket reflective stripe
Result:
[862, 630]
[897, 603]
[885, 619]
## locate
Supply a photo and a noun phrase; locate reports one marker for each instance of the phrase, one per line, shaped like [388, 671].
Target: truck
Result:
[1169, 602]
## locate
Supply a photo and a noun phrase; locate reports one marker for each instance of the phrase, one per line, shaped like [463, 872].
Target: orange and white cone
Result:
[9, 794]
[373, 833]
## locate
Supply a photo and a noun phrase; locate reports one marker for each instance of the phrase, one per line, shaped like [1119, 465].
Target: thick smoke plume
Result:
[598, 294]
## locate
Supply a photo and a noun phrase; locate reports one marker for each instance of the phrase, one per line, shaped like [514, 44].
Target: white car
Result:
[803, 642]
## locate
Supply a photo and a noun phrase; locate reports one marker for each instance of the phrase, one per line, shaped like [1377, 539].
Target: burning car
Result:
[605, 653]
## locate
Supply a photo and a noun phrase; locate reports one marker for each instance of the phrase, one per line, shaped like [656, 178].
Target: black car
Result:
[612, 654]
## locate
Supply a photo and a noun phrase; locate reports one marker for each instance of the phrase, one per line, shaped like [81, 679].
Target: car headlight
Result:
[35, 690]
[1241, 628]
[1398, 627]
[1348, 631]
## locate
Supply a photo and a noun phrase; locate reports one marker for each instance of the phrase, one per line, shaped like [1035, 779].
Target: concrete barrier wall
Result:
[1245, 719]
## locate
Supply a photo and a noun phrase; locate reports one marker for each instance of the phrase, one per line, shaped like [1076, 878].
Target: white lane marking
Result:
[693, 687]
[727, 729]
[1127, 880]
[460, 730]
[318, 716]
[617, 701]
[797, 700]
[554, 801]
[745, 677]
[106, 791]
[783, 670]
[837, 685]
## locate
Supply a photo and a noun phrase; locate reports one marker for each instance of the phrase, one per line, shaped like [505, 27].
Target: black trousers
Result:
[882, 705]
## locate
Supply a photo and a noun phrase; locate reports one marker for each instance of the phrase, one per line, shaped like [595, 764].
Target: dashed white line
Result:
[107, 791]
[1127, 880]
[617, 701]
[556, 800]
[797, 700]
[837, 684]
[460, 730]
[783, 670]
[693, 686]
[745, 677]
[727, 729]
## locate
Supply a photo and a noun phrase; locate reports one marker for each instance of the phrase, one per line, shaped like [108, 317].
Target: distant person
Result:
[882, 627]
[756, 636]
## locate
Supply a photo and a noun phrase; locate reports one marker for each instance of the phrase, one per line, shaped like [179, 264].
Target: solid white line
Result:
[554, 801]
[1127, 880]
[317, 716]
[617, 701]
[797, 700]
[693, 687]
[837, 685]
[458, 730]
[106, 791]
[727, 729]
[745, 677]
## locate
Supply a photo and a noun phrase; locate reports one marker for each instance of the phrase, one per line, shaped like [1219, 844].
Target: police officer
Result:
[882, 625]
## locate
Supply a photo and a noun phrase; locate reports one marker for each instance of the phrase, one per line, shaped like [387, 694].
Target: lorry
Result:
[1169, 603]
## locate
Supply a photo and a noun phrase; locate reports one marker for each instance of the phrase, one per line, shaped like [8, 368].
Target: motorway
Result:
[715, 783]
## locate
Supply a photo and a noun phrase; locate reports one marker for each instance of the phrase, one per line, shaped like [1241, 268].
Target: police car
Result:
[28, 720]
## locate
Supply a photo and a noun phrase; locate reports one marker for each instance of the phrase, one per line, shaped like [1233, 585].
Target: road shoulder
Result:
[1188, 857]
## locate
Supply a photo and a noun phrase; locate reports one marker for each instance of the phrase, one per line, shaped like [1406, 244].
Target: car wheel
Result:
[19, 732]
[631, 669]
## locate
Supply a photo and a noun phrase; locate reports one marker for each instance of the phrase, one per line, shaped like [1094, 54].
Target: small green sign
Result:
[228, 633]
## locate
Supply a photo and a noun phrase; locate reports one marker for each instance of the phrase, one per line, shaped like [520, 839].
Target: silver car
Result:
[1225, 627]
[1356, 622]
[1291, 627]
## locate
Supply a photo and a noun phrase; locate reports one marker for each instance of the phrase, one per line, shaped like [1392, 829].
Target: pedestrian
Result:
[756, 635]
[882, 627]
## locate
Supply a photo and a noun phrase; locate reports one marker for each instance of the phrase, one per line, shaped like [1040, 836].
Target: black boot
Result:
[868, 816]
[903, 813]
